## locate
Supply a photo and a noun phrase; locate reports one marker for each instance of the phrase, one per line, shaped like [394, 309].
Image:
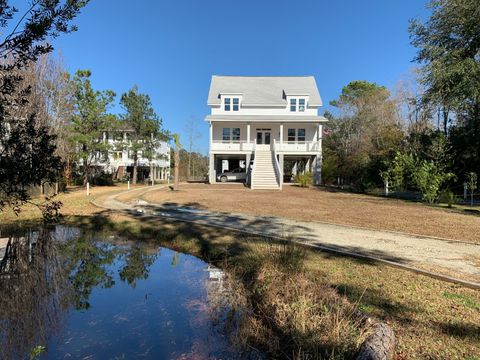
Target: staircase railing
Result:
[278, 172]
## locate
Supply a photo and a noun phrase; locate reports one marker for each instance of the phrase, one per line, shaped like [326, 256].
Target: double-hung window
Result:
[301, 104]
[291, 135]
[230, 104]
[301, 135]
[226, 134]
[297, 104]
[236, 134]
[293, 105]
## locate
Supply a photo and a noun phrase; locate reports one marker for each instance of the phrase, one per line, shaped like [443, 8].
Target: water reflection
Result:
[88, 296]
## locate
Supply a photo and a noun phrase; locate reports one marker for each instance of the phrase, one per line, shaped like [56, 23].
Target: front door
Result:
[263, 137]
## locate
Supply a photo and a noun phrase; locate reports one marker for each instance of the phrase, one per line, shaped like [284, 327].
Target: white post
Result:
[281, 135]
[128, 184]
[211, 135]
[88, 189]
[465, 187]
[248, 133]
[386, 187]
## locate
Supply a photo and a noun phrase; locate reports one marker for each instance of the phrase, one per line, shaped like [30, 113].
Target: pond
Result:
[78, 295]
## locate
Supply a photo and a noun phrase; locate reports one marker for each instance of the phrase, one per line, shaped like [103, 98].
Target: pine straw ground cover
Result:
[318, 204]
[305, 300]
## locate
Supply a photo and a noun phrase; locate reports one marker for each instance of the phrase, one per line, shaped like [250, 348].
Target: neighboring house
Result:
[272, 120]
[118, 161]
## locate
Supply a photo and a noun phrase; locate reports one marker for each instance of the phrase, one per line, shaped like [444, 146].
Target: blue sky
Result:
[170, 49]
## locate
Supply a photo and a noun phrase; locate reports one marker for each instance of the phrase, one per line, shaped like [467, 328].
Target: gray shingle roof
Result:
[264, 90]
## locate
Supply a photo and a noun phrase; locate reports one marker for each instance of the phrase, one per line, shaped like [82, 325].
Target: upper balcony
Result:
[290, 147]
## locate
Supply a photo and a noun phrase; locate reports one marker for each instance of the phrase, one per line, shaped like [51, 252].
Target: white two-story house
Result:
[270, 122]
[119, 160]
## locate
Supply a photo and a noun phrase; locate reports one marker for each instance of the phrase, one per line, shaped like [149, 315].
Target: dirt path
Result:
[459, 260]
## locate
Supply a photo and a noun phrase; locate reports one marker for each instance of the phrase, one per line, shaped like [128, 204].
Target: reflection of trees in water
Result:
[41, 279]
[137, 265]
[34, 294]
[87, 260]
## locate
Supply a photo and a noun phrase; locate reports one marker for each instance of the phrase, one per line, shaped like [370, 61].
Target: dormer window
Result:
[231, 104]
[301, 104]
[297, 104]
[236, 103]
[293, 104]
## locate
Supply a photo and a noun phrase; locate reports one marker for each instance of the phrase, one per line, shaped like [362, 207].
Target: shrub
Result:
[103, 179]
[447, 197]
[304, 180]
[429, 178]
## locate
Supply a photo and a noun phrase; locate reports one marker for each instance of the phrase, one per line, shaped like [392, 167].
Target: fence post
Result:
[88, 189]
[56, 188]
[465, 191]
[128, 184]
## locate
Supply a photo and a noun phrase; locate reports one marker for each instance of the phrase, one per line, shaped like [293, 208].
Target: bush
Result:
[103, 179]
[429, 177]
[304, 180]
[447, 197]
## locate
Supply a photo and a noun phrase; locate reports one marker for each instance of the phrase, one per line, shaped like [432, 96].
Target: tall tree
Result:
[191, 129]
[449, 50]
[143, 123]
[26, 146]
[176, 159]
[90, 120]
[367, 132]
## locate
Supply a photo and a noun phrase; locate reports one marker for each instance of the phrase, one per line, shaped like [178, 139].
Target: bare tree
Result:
[193, 134]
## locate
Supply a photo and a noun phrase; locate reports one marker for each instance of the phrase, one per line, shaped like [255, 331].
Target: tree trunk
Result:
[135, 165]
[85, 171]
[177, 165]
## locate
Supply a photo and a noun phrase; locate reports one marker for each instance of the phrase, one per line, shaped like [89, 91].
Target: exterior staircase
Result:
[264, 175]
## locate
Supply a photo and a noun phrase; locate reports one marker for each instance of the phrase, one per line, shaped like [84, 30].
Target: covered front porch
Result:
[299, 137]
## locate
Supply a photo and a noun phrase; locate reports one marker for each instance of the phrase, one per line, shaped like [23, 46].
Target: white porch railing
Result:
[232, 145]
[298, 146]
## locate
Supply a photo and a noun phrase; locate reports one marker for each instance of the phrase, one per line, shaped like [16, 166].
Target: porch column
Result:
[281, 135]
[317, 170]
[211, 169]
[211, 135]
[248, 133]
[282, 169]
[248, 157]
[319, 132]
[295, 168]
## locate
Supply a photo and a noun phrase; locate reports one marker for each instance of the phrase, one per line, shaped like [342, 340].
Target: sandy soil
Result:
[320, 205]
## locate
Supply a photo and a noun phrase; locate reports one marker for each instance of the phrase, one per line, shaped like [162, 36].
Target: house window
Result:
[301, 135]
[231, 104]
[236, 134]
[291, 135]
[226, 134]
[293, 104]
[301, 104]
[236, 102]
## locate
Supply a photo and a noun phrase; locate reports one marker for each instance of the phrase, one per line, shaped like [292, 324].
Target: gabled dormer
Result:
[264, 95]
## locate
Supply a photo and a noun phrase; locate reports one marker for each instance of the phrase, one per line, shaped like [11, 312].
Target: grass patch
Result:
[463, 299]
[431, 319]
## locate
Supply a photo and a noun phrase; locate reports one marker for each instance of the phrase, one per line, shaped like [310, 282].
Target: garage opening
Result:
[231, 168]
